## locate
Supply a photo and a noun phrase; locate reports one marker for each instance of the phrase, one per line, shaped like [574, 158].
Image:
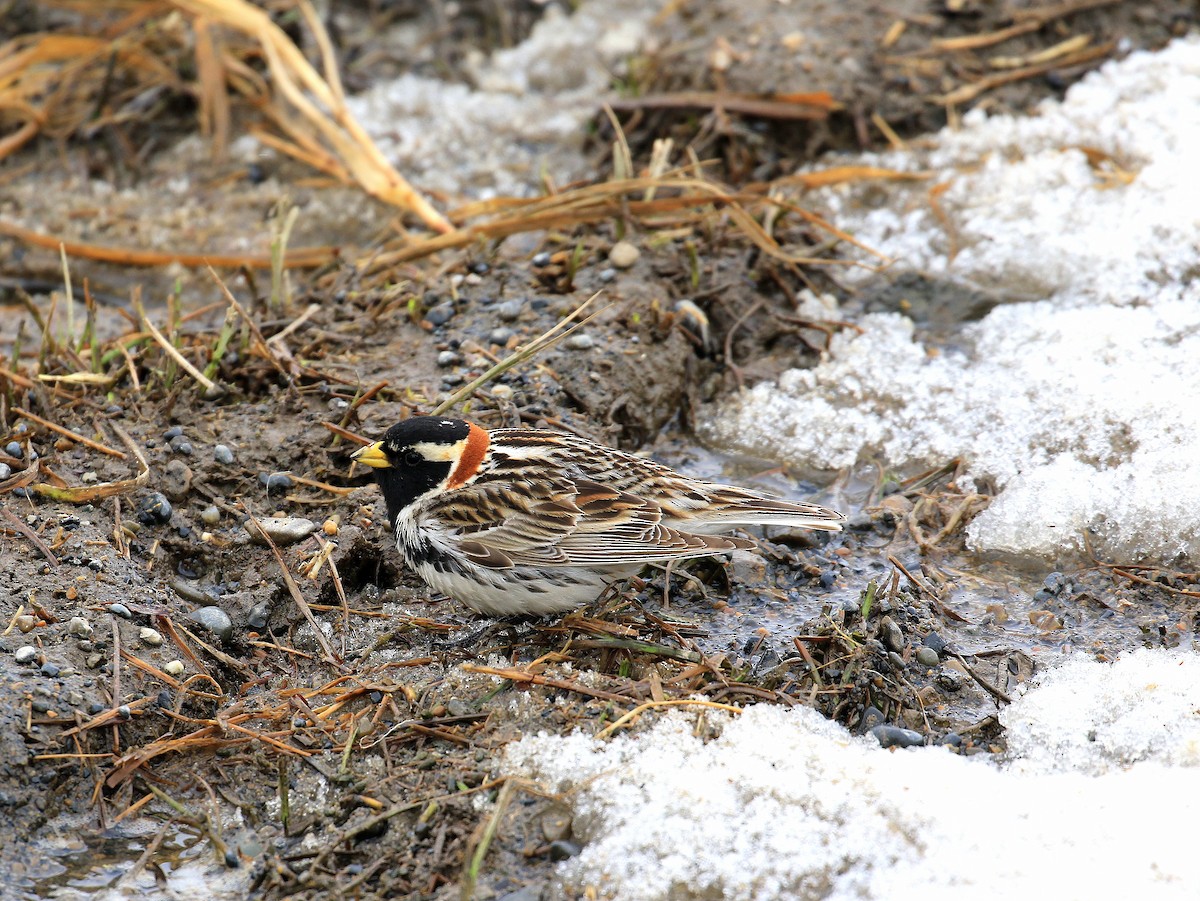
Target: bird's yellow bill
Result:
[372, 455]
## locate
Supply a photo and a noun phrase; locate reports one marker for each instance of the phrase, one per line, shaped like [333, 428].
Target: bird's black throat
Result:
[401, 485]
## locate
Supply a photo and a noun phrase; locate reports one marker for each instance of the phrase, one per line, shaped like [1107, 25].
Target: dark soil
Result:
[239, 761]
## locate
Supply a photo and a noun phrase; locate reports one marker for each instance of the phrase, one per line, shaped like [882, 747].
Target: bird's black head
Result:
[414, 458]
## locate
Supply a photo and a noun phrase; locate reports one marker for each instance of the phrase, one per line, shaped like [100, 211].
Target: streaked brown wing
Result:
[564, 522]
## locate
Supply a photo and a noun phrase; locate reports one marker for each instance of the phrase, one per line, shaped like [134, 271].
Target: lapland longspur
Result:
[531, 521]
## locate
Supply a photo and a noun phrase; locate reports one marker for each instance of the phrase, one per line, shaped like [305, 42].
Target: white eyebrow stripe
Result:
[440, 453]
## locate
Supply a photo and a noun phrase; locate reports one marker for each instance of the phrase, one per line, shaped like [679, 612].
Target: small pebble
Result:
[150, 636]
[448, 358]
[5, 471]
[222, 454]
[120, 610]
[871, 717]
[895, 737]
[950, 680]
[25, 622]
[556, 826]
[258, 616]
[623, 255]
[509, 310]
[500, 336]
[563, 850]
[40, 706]
[210, 515]
[50, 670]
[892, 636]
[607, 275]
[79, 626]
[935, 642]
[580, 342]
[282, 530]
[13, 449]
[154, 509]
[503, 392]
[175, 431]
[928, 657]
[182, 446]
[215, 620]
[275, 481]
[25, 654]
[453, 378]
[87, 645]
[541, 259]
[124, 712]
[173, 668]
[330, 526]
[93, 661]
[440, 314]
[177, 480]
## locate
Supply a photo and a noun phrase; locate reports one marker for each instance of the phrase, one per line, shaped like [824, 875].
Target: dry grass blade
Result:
[632, 715]
[303, 258]
[92, 493]
[318, 100]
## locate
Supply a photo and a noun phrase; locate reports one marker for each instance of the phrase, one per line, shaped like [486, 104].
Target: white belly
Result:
[508, 592]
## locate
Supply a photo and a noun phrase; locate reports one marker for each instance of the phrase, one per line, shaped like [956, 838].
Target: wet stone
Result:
[154, 509]
[282, 530]
[25, 654]
[891, 634]
[895, 737]
[509, 310]
[541, 260]
[25, 622]
[222, 454]
[41, 706]
[177, 480]
[276, 481]
[440, 314]
[175, 431]
[13, 449]
[935, 642]
[259, 616]
[93, 661]
[500, 336]
[580, 342]
[563, 850]
[215, 620]
[182, 446]
[556, 826]
[452, 379]
[448, 358]
[50, 670]
[1056, 583]
[150, 637]
[928, 657]
[949, 679]
[871, 717]
[120, 610]
[5, 471]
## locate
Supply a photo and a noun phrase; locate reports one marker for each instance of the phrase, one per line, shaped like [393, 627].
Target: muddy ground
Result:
[170, 699]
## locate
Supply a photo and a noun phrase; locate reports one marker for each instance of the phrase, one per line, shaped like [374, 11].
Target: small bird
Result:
[529, 521]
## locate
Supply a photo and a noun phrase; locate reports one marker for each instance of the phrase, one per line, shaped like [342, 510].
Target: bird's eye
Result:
[412, 458]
